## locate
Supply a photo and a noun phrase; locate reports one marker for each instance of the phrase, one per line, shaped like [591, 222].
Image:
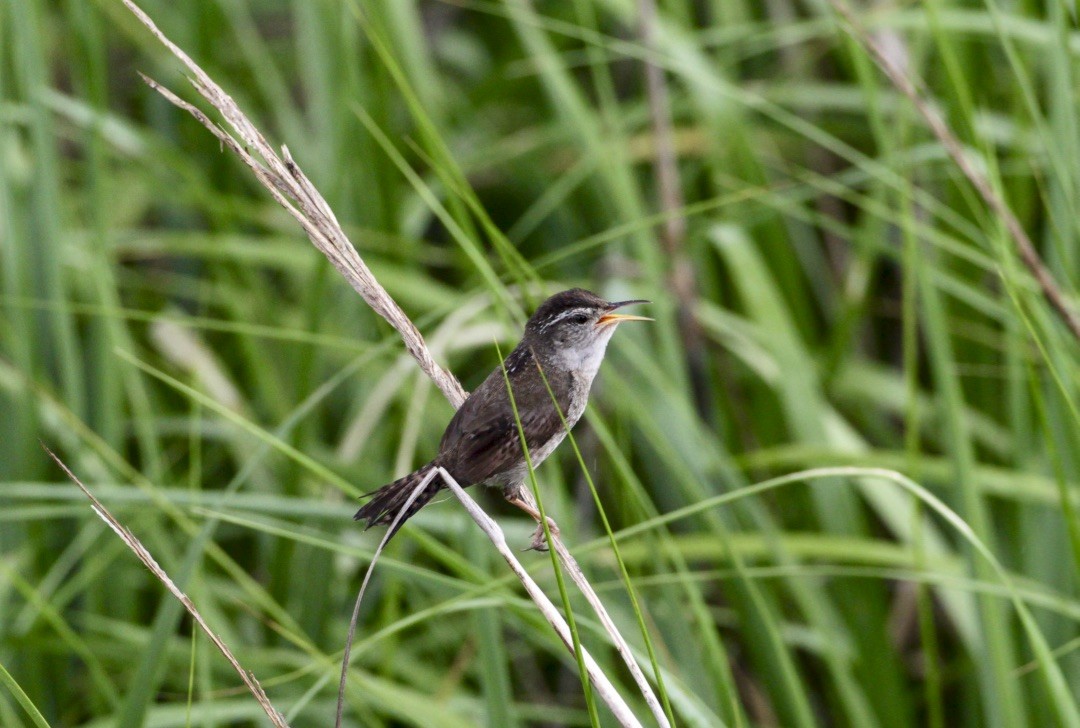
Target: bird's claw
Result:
[539, 543]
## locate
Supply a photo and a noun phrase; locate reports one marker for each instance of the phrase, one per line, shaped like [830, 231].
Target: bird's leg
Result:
[516, 495]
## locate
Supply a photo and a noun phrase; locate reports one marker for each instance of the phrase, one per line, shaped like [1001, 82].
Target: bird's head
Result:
[575, 326]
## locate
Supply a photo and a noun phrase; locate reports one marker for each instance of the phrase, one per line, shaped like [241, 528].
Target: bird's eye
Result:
[580, 318]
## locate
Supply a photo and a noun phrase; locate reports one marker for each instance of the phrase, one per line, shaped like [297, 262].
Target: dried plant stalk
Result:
[600, 681]
[291, 188]
[144, 556]
[294, 191]
[363, 588]
[908, 84]
[621, 646]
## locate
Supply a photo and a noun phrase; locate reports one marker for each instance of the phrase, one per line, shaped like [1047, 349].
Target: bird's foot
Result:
[539, 542]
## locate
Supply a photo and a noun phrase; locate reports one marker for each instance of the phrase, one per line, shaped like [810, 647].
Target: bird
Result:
[566, 338]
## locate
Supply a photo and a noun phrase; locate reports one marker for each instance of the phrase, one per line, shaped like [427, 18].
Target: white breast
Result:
[583, 364]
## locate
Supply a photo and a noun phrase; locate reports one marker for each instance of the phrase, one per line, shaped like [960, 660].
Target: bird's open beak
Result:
[610, 318]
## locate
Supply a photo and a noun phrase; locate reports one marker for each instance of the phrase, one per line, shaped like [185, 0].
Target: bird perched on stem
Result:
[566, 338]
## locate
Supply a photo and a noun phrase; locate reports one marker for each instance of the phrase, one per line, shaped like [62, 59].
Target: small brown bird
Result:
[566, 337]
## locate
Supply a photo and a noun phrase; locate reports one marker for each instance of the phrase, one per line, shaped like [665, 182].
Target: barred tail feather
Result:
[385, 503]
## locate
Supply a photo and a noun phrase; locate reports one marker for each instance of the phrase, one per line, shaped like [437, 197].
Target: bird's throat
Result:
[583, 362]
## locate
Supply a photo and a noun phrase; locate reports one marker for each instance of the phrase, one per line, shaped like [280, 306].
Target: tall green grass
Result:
[168, 331]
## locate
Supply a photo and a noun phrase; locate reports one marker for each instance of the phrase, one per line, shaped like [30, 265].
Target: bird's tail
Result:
[385, 502]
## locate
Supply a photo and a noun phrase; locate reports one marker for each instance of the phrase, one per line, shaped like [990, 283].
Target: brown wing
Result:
[482, 439]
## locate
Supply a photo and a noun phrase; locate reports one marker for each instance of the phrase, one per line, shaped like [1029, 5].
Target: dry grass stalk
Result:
[604, 688]
[621, 646]
[291, 188]
[680, 277]
[144, 556]
[912, 87]
[295, 192]
[363, 588]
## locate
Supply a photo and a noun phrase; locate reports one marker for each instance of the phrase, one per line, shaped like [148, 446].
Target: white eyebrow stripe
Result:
[565, 314]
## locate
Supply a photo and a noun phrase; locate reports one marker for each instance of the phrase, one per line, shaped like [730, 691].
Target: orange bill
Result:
[611, 318]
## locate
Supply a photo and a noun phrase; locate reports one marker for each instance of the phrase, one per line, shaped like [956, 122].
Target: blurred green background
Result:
[838, 296]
